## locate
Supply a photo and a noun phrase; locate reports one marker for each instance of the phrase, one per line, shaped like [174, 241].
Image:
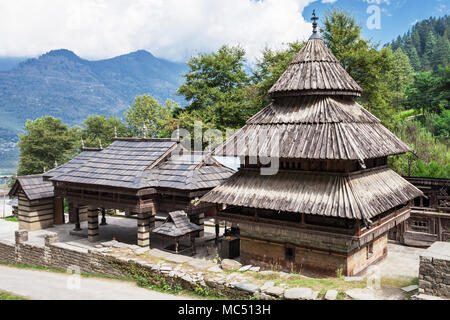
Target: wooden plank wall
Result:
[35, 214]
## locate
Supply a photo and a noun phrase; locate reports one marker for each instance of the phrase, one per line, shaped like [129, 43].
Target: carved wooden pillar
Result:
[146, 222]
[77, 219]
[93, 234]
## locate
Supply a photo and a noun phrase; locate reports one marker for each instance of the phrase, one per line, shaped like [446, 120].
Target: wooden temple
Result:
[333, 199]
[138, 176]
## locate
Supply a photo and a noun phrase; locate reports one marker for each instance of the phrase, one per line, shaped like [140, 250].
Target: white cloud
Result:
[173, 29]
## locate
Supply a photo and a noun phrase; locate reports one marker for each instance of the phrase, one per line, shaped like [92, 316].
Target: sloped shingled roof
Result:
[137, 164]
[315, 70]
[34, 187]
[354, 196]
[122, 164]
[314, 127]
[177, 225]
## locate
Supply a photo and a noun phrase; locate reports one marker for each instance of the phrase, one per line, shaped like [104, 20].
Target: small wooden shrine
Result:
[176, 227]
[332, 199]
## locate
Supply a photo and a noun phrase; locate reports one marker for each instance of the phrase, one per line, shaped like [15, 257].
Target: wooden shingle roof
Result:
[142, 163]
[177, 225]
[355, 196]
[313, 127]
[34, 187]
[122, 164]
[190, 172]
[315, 70]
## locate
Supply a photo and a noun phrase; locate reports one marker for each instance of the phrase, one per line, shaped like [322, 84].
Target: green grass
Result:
[13, 219]
[406, 114]
[9, 296]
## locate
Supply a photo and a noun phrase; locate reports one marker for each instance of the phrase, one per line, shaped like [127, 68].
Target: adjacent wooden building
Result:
[314, 191]
[37, 206]
[430, 214]
[141, 177]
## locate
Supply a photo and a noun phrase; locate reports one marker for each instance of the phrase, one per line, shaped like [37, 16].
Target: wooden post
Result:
[193, 243]
[93, 234]
[103, 223]
[77, 219]
[217, 232]
[144, 223]
[177, 243]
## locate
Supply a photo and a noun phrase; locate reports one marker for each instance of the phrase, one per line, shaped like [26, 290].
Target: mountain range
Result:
[61, 84]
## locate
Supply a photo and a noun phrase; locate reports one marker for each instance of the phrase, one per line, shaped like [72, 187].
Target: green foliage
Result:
[427, 44]
[101, 128]
[9, 296]
[157, 118]
[400, 76]
[216, 88]
[268, 69]
[369, 67]
[432, 158]
[45, 141]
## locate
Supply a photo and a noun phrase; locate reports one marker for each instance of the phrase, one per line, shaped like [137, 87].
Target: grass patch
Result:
[9, 296]
[406, 114]
[13, 219]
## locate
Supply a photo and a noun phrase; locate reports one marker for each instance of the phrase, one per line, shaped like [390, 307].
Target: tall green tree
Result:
[268, 69]
[158, 119]
[217, 83]
[45, 141]
[400, 76]
[99, 128]
[367, 65]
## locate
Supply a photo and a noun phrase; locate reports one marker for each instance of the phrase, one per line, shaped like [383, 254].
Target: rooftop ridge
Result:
[147, 139]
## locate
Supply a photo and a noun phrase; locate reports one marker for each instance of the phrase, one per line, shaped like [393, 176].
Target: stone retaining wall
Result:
[434, 271]
[60, 255]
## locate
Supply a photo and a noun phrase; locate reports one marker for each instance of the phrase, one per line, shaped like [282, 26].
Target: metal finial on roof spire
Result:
[100, 143]
[56, 163]
[82, 143]
[314, 19]
[144, 130]
[115, 132]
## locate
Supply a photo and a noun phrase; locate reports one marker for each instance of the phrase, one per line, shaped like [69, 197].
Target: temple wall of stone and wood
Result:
[35, 214]
[299, 246]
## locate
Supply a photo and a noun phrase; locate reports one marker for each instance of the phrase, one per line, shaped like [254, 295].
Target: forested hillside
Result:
[427, 44]
[63, 85]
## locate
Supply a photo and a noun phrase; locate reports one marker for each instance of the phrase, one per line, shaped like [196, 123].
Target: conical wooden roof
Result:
[315, 71]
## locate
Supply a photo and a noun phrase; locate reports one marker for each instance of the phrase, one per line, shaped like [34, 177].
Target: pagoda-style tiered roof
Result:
[313, 117]
[314, 127]
[315, 71]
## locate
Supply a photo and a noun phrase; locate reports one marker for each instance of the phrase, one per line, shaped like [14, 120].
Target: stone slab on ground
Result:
[158, 253]
[201, 264]
[331, 295]
[247, 286]
[275, 291]
[267, 285]
[254, 269]
[216, 269]
[351, 279]
[230, 265]
[410, 288]
[245, 268]
[299, 294]
[361, 294]
[178, 258]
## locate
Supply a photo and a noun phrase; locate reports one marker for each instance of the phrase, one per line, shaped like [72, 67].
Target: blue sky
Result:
[397, 16]
[179, 29]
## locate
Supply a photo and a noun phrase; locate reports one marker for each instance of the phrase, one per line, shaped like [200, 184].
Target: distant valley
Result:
[63, 85]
